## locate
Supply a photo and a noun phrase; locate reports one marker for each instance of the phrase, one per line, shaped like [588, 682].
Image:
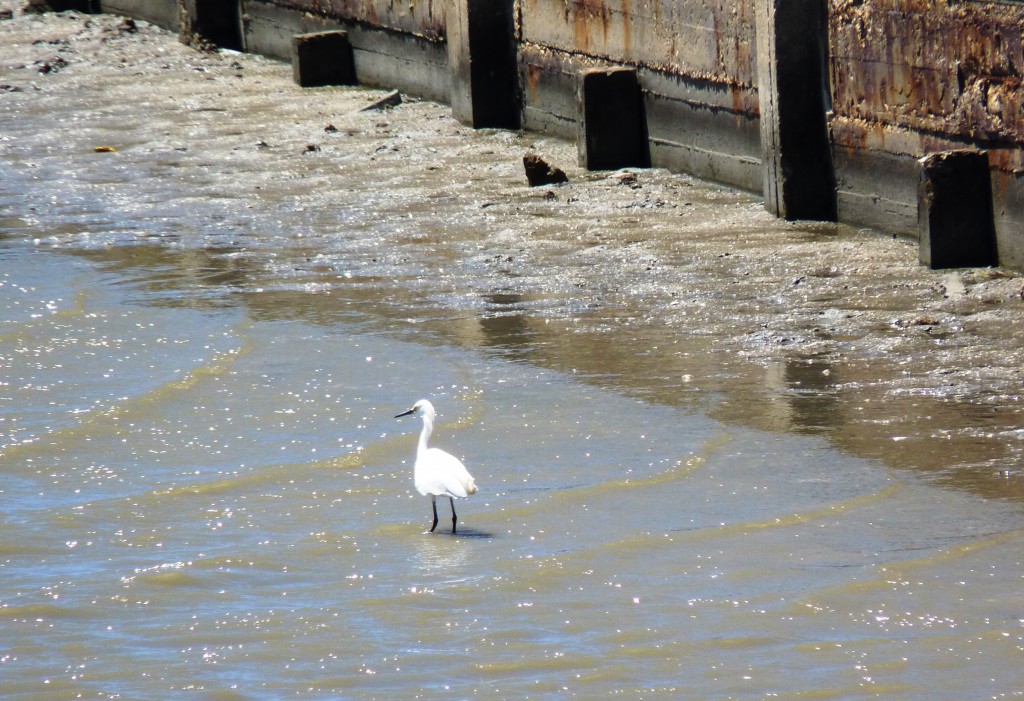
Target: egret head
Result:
[422, 407]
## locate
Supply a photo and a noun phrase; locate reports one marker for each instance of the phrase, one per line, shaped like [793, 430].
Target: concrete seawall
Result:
[829, 109]
[910, 79]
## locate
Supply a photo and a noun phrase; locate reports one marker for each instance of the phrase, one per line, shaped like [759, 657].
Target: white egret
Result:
[437, 473]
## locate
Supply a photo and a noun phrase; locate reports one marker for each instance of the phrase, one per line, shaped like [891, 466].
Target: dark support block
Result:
[85, 6]
[954, 210]
[611, 124]
[217, 21]
[323, 58]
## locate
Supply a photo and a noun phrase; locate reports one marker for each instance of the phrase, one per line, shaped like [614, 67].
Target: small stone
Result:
[540, 172]
[53, 65]
[392, 99]
[628, 178]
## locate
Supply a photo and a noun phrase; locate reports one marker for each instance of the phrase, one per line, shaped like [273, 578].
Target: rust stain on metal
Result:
[1008, 162]
[857, 137]
[627, 26]
[533, 75]
[585, 13]
[717, 33]
[930, 65]
[744, 56]
[738, 95]
[581, 31]
[421, 18]
[705, 42]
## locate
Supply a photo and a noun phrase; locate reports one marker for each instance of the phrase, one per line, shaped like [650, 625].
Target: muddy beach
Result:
[788, 326]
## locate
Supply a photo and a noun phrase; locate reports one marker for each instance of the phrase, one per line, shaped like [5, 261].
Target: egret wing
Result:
[442, 474]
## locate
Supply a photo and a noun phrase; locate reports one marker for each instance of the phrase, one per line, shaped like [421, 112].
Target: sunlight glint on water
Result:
[194, 499]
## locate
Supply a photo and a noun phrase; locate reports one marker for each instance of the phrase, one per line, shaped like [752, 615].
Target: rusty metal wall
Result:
[697, 65]
[421, 18]
[926, 65]
[912, 77]
[710, 40]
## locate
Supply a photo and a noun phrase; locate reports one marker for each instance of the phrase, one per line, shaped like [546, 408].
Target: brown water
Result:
[700, 475]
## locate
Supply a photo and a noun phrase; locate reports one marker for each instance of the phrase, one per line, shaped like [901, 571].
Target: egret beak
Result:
[406, 413]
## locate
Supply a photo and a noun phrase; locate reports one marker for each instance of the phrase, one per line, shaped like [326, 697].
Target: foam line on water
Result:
[906, 570]
[110, 421]
[681, 470]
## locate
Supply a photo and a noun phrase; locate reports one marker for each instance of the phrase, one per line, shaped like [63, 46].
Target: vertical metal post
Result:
[482, 60]
[792, 59]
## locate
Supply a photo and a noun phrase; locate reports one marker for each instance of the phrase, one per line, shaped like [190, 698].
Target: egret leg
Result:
[453, 513]
[433, 502]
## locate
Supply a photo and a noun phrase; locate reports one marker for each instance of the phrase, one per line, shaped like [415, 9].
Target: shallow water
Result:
[200, 499]
[204, 488]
